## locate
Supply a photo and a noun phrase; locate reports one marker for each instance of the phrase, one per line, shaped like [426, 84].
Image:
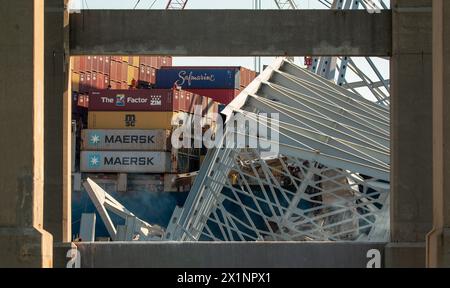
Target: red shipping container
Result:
[76, 64]
[244, 77]
[82, 60]
[135, 100]
[80, 100]
[164, 61]
[188, 102]
[148, 74]
[94, 83]
[95, 64]
[82, 82]
[106, 81]
[101, 81]
[83, 101]
[251, 75]
[154, 62]
[142, 73]
[101, 64]
[224, 96]
[113, 72]
[85, 82]
[106, 65]
[88, 82]
[118, 71]
[143, 60]
[89, 63]
[182, 101]
[124, 73]
[114, 84]
[159, 61]
[152, 78]
[169, 61]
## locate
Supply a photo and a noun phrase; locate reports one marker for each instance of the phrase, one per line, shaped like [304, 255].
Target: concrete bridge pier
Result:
[23, 241]
[438, 240]
[57, 122]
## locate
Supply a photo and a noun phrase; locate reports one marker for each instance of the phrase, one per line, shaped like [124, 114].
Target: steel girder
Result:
[286, 4]
[329, 181]
[328, 66]
[176, 4]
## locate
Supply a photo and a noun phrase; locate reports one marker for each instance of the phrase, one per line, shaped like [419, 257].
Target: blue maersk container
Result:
[198, 77]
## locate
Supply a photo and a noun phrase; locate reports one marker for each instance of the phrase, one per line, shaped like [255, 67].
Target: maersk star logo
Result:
[94, 160]
[94, 138]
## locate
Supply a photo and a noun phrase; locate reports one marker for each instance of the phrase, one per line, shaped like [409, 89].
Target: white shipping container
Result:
[125, 162]
[125, 140]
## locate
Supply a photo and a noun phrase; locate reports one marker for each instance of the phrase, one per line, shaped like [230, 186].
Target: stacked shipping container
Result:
[109, 87]
[148, 67]
[222, 84]
[122, 122]
[129, 130]
[91, 73]
[115, 72]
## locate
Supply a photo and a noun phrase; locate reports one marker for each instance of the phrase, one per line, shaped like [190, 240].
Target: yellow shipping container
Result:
[130, 75]
[134, 61]
[130, 120]
[75, 82]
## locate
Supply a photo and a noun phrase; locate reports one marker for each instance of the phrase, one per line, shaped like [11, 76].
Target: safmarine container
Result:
[198, 77]
[130, 120]
[126, 140]
[125, 162]
[135, 100]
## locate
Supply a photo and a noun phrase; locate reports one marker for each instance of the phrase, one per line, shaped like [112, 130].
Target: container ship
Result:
[125, 111]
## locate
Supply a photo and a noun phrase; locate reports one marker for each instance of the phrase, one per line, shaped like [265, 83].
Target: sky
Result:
[248, 62]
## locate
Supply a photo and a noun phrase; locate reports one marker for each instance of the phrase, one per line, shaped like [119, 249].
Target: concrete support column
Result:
[411, 132]
[23, 241]
[57, 121]
[438, 244]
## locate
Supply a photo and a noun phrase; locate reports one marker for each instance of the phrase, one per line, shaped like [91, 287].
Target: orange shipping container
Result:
[130, 120]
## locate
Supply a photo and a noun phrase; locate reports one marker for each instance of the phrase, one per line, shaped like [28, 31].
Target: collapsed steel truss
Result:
[330, 180]
[336, 68]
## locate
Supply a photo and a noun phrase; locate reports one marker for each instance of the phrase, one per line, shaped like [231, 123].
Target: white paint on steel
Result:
[327, 183]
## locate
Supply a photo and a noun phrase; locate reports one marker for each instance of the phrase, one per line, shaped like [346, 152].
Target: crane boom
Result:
[176, 4]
